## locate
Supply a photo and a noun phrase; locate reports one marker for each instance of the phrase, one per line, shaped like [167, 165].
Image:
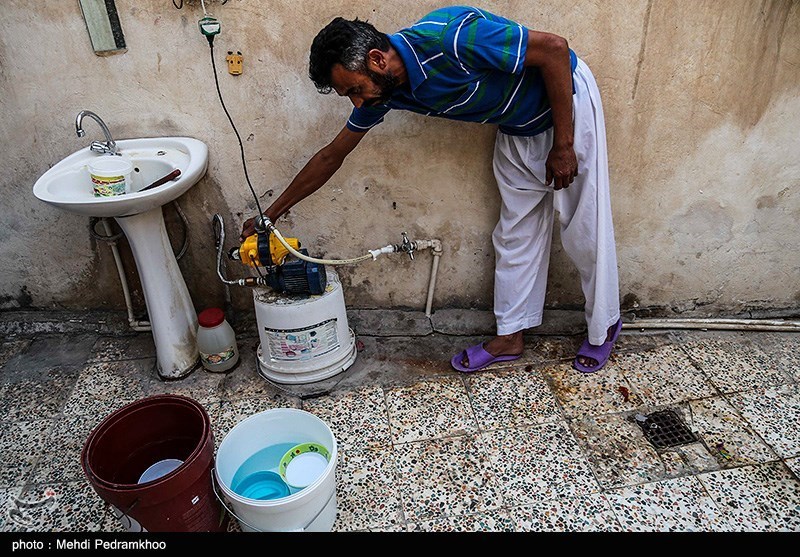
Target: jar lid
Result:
[211, 317]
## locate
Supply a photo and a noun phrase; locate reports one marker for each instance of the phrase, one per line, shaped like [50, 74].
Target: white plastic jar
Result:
[216, 341]
[110, 175]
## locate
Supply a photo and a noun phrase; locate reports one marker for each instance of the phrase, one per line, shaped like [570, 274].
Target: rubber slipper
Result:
[600, 354]
[478, 358]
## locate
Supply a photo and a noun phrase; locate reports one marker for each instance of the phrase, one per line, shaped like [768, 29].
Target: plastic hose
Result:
[371, 255]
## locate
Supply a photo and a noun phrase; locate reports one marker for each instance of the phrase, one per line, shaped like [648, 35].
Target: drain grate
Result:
[665, 429]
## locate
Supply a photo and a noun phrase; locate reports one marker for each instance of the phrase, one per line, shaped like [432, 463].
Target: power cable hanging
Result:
[236, 131]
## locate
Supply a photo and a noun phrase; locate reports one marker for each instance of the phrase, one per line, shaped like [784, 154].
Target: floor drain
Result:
[665, 429]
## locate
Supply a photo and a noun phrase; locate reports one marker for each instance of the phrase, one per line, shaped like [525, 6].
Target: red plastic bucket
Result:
[137, 436]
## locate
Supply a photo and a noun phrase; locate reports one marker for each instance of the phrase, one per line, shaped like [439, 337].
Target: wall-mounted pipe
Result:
[134, 324]
[716, 324]
[436, 246]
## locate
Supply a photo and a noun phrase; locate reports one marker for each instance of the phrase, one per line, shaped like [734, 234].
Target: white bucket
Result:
[304, 339]
[311, 509]
[110, 175]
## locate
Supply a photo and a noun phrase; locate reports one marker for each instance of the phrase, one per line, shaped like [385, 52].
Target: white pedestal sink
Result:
[67, 185]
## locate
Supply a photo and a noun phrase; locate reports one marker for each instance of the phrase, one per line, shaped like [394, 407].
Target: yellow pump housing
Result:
[248, 251]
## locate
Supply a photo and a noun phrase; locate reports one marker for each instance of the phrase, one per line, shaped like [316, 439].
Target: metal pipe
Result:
[436, 246]
[714, 323]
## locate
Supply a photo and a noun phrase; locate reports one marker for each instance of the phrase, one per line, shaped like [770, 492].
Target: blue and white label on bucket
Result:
[302, 344]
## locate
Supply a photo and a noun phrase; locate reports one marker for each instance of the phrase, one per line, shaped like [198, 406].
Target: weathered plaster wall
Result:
[702, 102]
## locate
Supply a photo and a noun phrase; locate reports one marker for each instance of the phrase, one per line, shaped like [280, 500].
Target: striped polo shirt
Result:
[464, 63]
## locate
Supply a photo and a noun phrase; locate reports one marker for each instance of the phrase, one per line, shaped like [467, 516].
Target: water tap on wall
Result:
[407, 246]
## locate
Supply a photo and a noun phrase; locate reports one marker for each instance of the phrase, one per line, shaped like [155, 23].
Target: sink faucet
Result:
[109, 146]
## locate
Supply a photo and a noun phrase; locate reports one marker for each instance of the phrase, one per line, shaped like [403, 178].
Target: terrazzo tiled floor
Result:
[531, 445]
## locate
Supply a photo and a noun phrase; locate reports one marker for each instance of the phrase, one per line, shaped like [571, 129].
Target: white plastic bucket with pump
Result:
[303, 338]
[312, 508]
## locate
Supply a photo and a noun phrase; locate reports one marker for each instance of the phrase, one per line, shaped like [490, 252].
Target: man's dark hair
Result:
[343, 42]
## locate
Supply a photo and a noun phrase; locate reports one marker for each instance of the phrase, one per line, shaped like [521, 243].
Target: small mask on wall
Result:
[234, 62]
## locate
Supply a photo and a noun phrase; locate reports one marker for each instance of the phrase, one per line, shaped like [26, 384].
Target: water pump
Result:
[303, 339]
[284, 272]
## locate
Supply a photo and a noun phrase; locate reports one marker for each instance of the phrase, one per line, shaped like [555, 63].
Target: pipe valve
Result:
[407, 246]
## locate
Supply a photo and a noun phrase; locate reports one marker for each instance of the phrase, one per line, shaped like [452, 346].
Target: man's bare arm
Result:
[317, 171]
[550, 53]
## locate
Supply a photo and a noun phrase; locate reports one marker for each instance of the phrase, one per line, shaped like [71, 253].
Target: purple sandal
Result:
[479, 358]
[598, 353]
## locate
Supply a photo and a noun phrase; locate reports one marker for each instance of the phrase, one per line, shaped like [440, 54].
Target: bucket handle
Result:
[233, 514]
[124, 514]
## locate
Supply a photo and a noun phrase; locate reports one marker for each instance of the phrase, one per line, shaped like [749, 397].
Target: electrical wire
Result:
[255, 266]
[241, 145]
[253, 191]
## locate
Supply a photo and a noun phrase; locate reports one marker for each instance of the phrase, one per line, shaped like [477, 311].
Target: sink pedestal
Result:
[171, 313]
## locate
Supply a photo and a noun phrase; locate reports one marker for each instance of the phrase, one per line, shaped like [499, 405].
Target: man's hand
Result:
[550, 53]
[561, 167]
[248, 228]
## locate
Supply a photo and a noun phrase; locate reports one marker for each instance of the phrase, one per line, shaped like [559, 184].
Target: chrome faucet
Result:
[109, 146]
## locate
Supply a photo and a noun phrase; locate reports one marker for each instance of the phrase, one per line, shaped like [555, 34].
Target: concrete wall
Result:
[702, 102]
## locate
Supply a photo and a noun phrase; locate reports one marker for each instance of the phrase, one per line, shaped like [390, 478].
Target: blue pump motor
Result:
[297, 276]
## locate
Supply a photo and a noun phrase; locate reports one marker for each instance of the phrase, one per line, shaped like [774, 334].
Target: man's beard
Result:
[386, 84]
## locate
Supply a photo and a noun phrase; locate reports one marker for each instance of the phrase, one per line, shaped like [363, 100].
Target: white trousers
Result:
[523, 235]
